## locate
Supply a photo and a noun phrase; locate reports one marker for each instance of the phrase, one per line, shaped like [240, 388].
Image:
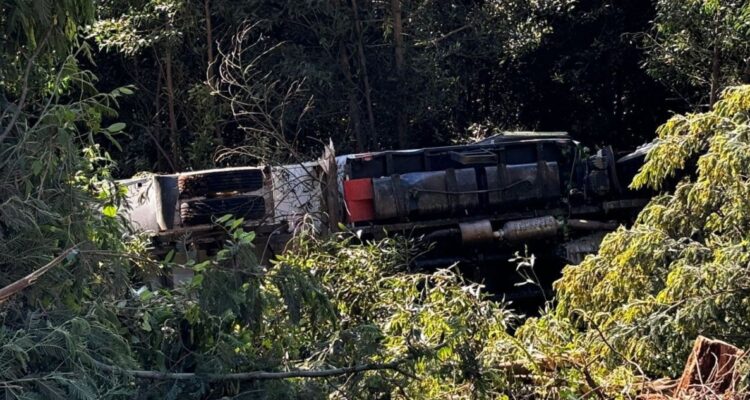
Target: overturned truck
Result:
[475, 205]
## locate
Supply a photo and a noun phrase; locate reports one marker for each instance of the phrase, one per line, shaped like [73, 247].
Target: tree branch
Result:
[31, 278]
[436, 41]
[254, 375]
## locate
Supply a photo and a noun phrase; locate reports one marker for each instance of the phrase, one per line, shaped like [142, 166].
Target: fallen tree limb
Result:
[254, 375]
[31, 278]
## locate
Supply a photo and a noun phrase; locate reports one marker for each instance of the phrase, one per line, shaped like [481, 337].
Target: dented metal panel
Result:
[143, 203]
[473, 201]
[452, 192]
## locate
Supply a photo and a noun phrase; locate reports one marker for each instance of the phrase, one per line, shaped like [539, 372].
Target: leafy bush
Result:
[635, 308]
[325, 305]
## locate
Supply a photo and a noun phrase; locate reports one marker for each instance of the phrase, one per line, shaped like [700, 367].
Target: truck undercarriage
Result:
[474, 205]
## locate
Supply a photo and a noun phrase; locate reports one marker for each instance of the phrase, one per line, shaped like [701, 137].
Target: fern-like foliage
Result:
[680, 271]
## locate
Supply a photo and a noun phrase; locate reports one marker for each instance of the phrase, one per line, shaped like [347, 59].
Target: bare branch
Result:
[270, 110]
[31, 278]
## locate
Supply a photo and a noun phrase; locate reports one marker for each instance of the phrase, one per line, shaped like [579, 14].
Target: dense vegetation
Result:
[95, 90]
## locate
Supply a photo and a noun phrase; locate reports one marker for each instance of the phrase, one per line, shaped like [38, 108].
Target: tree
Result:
[372, 77]
[586, 77]
[57, 199]
[633, 310]
[160, 27]
[32, 33]
[699, 47]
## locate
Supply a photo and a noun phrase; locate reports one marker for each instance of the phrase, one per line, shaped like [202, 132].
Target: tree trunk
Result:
[715, 74]
[160, 161]
[365, 77]
[173, 137]
[716, 61]
[398, 46]
[355, 122]
[354, 113]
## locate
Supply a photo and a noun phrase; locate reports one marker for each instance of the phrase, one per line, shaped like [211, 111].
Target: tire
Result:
[199, 212]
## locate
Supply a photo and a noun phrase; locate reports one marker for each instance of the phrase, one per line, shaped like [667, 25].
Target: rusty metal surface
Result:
[476, 232]
[197, 198]
[202, 211]
[527, 229]
[206, 183]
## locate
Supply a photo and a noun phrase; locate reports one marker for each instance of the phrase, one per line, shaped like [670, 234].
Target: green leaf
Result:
[223, 254]
[122, 190]
[236, 223]
[36, 167]
[243, 237]
[112, 140]
[146, 295]
[109, 211]
[224, 219]
[146, 325]
[202, 266]
[116, 127]
[169, 257]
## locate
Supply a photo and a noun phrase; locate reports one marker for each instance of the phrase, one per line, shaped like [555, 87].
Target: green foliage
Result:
[56, 193]
[680, 271]
[54, 23]
[450, 336]
[141, 25]
[699, 47]
[585, 77]
[53, 174]
[318, 70]
[68, 346]
[313, 52]
[302, 71]
[163, 39]
[547, 65]
[327, 304]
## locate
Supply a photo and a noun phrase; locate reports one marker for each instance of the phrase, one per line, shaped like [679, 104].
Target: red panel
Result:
[359, 200]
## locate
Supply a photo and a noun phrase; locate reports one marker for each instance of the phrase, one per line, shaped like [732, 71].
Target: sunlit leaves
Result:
[145, 24]
[457, 335]
[693, 41]
[681, 270]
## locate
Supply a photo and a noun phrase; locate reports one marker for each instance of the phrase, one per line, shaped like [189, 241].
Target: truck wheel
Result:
[197, 212]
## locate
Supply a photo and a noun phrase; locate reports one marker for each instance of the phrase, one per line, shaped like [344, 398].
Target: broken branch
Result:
[31, 278]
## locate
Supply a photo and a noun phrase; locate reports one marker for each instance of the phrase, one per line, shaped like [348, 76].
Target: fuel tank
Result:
[463, 191]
